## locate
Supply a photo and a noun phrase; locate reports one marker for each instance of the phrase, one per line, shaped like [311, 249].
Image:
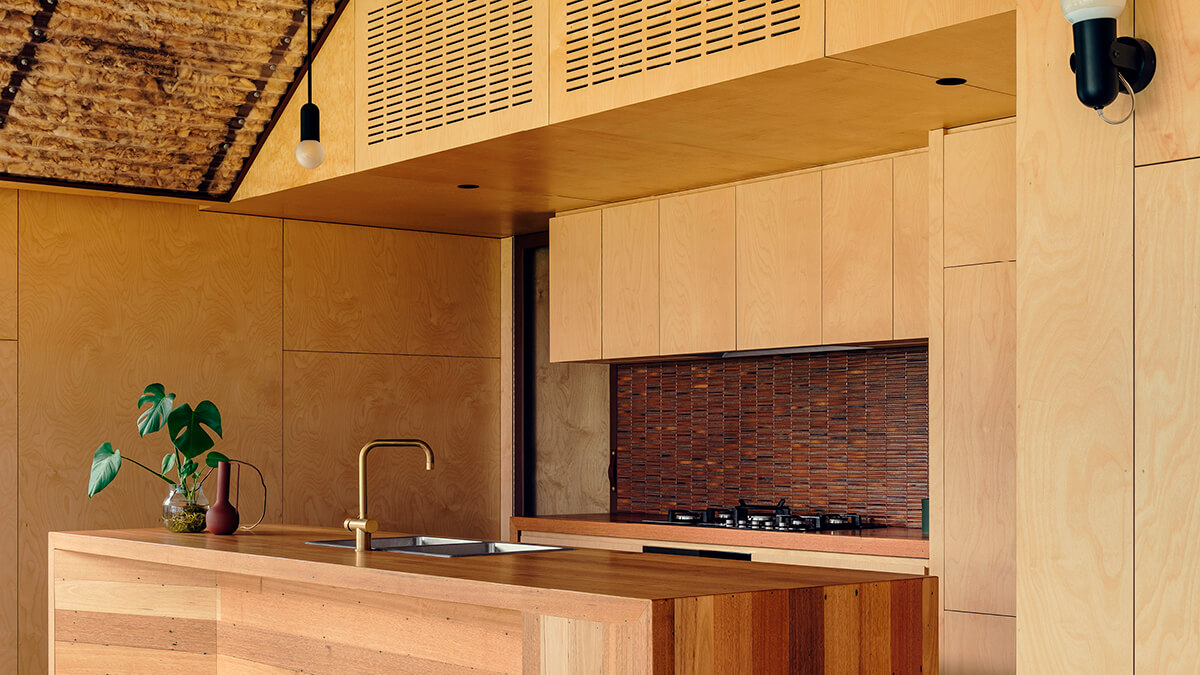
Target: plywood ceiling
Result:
[160, 96]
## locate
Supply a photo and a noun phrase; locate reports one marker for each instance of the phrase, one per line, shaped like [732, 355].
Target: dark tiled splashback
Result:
[827, 431]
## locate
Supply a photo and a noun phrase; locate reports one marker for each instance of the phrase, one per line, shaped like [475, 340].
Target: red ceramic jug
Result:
[222, 517]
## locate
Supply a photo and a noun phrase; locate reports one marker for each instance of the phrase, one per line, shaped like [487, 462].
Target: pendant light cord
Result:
[308, 53]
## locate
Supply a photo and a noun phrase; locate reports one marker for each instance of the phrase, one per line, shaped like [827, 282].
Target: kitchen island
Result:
[154, 601]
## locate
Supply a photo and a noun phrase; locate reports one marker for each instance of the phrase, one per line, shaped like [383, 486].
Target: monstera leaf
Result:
[105, 464]
[161, 402]
[186, 427]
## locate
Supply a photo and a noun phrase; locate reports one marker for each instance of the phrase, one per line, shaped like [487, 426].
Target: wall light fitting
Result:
[1104, 64]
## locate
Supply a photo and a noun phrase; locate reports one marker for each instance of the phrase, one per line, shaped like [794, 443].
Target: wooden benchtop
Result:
[900, 542]
[279, 551]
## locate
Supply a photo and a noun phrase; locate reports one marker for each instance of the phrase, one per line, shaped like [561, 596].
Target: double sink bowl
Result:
[441, 547]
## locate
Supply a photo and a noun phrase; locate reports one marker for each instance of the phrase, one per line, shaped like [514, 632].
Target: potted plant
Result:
[185, 506]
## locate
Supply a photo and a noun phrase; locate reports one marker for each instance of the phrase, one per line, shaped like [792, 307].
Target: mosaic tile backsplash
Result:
[833, 431]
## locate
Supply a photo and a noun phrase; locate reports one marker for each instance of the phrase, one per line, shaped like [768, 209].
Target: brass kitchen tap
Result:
[362, 526]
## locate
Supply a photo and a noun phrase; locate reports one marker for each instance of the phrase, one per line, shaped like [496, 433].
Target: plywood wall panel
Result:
[980, 458]
[850, 24]
[697, 278]
[336, 403]
[576, 273]
[856, 291]
[779, 262]
[1167, 556]
[571, 418]
[981, 195]
[116, 294]
[8, 264]
[629, 239]
[1074, 365]
[355, 289]
[910, 246]
[1167, 110]
[979, 644]
[507, 383]
[275, 168]
[8, 506]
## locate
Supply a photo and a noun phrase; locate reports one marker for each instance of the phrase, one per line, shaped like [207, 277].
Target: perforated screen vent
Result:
[611, 39]
[432, 63]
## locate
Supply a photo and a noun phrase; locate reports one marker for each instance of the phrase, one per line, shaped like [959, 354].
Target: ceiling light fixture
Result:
[309, 152]
[1104, 64]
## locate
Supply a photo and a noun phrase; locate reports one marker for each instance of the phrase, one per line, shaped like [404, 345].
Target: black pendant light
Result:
[309, 152]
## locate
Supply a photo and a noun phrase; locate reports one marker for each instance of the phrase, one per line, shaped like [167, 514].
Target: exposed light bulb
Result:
[310, 154]
[1085, 10]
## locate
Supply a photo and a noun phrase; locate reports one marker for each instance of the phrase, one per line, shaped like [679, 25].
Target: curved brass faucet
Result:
[362, 526]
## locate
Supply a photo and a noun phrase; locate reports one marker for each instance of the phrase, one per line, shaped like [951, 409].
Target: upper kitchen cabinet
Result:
[435, 75]
[980, 199]
[910, 246]
[856, 295]
[1165, 124]
[630, 280]
[575, 283]
[697, 279]
[609, 54]
[779, 262]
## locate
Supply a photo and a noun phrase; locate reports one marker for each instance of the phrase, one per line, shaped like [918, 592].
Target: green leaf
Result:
[207, 413]
[161, 402]
[105, 464]
[189, 467]
[213, 458]
[168, 462]
[186, 427]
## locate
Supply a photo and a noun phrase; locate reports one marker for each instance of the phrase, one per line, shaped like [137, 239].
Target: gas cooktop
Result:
[775, 517]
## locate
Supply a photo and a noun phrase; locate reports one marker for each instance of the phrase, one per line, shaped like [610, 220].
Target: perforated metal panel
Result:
[611, 39]
[432, 63]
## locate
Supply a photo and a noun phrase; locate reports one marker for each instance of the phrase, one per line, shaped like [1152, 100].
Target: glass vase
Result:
[184, 513]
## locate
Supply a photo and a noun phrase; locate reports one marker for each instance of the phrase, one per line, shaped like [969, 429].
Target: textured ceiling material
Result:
[158, 96]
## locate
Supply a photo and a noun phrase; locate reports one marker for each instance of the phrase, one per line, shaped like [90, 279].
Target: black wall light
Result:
[309, 152]
[1105, 64]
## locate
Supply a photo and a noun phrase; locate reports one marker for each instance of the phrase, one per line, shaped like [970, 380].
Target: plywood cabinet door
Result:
[575, 285]
[697, 278]
[1165, 126]
[910, 247]
[979, 644]
[630, 280]
[779, 262]
[980, 438]
[1167, 418]
[980, 201]
[856, 295]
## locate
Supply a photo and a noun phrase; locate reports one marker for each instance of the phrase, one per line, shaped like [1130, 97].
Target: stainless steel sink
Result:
[441, 547]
